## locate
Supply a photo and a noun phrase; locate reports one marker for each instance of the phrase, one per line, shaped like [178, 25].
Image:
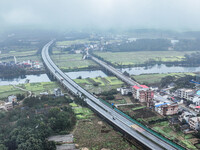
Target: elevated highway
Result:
[117, 73]
[142, 134]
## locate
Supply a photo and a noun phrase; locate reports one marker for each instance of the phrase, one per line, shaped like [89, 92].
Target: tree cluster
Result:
[193, 58]
[183, 82]
[141, 45]
[187, 45]
[24, 129]
[11, 71]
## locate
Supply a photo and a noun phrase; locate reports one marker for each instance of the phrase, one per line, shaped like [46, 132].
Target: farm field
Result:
[99, 84]
[20, 54]
[36, 88]
[67, 61]
[156, 78]
[95, 134]
[137, 58]
[25, 58]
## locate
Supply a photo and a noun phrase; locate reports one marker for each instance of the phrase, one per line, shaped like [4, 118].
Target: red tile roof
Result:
[136, 87]
[144, 86]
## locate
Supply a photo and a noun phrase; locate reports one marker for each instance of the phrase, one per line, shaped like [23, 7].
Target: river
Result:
[159, 69]
[92, 74]
[45, 78]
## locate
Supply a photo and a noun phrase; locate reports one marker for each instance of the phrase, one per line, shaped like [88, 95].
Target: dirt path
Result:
[30, 93]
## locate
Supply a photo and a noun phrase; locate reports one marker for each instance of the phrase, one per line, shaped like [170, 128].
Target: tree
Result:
[126, 73]
[31, 144]
[49, 145]
[3, 147]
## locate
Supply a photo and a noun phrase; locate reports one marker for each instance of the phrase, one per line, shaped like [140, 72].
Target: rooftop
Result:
[140, 87]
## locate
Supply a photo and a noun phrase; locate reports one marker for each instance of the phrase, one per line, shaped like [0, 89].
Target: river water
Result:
[92, 74]
[159, 69]
[45, 78]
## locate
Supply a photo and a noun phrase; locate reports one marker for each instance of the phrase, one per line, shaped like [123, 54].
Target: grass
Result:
[156, 78]
[73, 104]
[141, 57]
[36, 88]
[8, 90]
[188, 144]
[137, 108]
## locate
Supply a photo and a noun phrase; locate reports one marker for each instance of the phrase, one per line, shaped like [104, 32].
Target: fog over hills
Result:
[180, 15]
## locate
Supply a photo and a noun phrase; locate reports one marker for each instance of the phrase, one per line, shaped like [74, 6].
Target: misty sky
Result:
[103, 14]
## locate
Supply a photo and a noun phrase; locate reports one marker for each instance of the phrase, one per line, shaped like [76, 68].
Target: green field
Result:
[156, 78]
[137, 58]
[7, 90]
[82, 112]
[67, 61]
[36, 88]
[104, 84]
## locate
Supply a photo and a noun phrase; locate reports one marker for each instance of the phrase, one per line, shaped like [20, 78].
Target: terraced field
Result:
[99, 84]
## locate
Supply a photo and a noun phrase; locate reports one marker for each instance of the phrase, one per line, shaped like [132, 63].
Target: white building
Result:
[196, 100]
[186, 116]
[12, 98]
[58, 92]
[185, 93]
[124, 91]
[194, 123]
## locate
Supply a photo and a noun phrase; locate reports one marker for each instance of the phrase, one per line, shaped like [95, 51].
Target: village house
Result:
[124, 90]
[194, 123]
[194, 107]
[185, 116]
[196, 100]
[143, 93]
[58, 92]
[12, 98]
[187, 94]
[166, 109]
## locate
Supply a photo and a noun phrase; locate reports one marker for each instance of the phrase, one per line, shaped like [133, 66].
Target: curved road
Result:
[145, 137]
